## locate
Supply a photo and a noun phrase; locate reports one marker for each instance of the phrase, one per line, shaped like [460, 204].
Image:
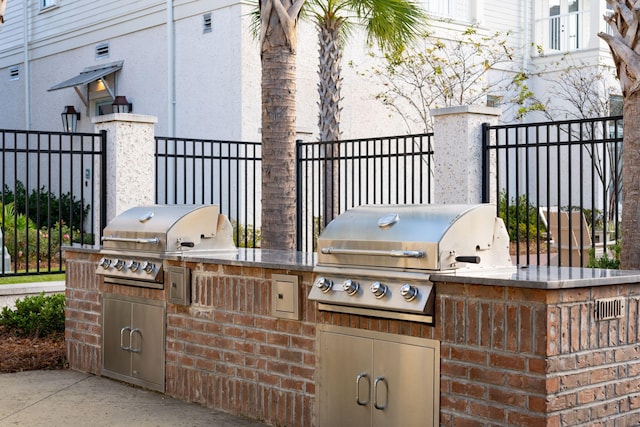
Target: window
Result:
[453, 9]
[439, 7]
[46, 4]
[615, 105]
[566, 24]
[104, 106]
[494, 100]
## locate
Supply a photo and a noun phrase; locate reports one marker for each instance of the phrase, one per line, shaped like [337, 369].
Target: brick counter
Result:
[513, 351]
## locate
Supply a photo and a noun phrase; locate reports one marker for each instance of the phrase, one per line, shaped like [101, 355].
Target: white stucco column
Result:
[457, 146]
[130, 160]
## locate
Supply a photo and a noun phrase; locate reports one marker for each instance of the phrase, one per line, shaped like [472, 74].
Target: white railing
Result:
[566, 32]
[452, 9]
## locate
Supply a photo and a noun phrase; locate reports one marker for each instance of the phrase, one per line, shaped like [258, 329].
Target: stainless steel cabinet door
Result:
[147, 343]
[115, 341]
[344, 380]
[403, 385]
[133, 348]
[368, 378]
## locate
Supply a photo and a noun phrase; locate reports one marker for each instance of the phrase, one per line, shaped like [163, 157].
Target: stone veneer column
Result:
[130, 160]
[458, 152]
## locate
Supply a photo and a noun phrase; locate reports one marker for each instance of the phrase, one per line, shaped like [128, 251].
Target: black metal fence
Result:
[225, 173]
[558, 187]
[48, 197]
[539, 175]
[388, 170]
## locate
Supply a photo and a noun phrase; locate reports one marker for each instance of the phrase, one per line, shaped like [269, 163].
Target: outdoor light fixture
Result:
[121, 105]
[70, 119]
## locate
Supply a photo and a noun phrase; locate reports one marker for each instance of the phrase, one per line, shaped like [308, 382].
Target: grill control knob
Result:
[324, 284]
[118, 264]
[148, 267]
[408, 292]
[105, 263]
[350, 287]
[378, 289]
[133, 265]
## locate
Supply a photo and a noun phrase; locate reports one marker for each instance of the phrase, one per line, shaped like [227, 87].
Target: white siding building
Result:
[195, 65]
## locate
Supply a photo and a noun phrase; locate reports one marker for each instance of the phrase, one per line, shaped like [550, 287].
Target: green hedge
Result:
[35, 315]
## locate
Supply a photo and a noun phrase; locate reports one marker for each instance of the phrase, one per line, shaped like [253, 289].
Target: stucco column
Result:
[457, 135]
[130, 160]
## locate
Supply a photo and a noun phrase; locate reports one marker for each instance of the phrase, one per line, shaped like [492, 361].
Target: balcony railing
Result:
[565, 32]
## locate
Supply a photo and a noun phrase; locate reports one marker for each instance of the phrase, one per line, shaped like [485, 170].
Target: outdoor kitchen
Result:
[405, 315]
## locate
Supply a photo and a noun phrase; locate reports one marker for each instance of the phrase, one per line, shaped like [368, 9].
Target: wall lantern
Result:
[70, 119]
[121, 105]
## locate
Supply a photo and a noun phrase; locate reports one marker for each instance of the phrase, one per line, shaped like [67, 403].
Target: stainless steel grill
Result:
[135, 241]
[377, 260]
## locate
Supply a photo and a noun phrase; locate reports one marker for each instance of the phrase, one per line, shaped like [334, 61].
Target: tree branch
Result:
[288, 20]
[629, 58]
[264, 20]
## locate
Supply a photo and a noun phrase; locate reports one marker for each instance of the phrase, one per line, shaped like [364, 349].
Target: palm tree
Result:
[278, 28]
[391, 24]
[624, 42]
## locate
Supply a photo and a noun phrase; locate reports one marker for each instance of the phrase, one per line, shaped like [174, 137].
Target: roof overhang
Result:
[90, 75]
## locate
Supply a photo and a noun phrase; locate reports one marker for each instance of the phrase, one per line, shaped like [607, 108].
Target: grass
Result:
[12, 280]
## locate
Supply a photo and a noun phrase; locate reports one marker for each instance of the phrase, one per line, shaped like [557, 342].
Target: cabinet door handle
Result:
[358, 378]
[132, 348]
[375, 393]
[122, 331]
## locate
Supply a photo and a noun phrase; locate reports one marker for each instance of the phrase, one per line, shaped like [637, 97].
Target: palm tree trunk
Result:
[630, 226]
[329, 90]
[278, 150]
[278, 38]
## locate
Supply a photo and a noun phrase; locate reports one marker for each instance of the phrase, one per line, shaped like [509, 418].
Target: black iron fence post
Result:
[103, 184]
[298, 195]
[486, 159]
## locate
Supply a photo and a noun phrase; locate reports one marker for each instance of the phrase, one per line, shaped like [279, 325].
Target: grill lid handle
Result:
[469, 259]
[392, 253]
[151, 240]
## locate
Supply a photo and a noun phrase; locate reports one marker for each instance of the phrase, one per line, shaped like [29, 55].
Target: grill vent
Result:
[609, 308]
[102, 50]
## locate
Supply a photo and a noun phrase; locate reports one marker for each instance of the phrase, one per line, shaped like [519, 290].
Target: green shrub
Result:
[17, 230]
[45, 208]
[35, 316]
[524, 213]
[604, 261]
[245, 236]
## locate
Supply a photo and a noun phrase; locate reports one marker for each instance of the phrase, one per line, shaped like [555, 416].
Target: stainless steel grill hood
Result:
[135, 240]
[169, 228]
[377, 260]
[416, 237]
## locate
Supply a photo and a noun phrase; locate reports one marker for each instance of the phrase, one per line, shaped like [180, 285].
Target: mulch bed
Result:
[28, 353]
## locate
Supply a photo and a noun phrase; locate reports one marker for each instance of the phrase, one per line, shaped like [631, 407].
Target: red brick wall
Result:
[524, 357]
[83, 315]
[509, 356]
[83, 301]
[228, 352]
